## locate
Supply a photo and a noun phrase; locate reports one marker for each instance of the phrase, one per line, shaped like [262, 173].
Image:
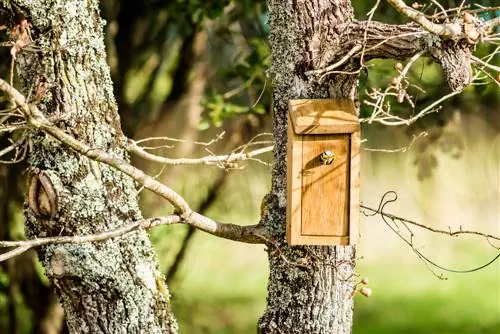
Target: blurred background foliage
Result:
[196, 70]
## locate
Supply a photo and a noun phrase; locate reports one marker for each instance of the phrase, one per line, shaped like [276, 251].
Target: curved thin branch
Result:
[408, 237]
[34, 117]
[396, 150]
[430, 228]
[79, 239]
[15, 252]
[443, 30]
[170, 139]
[348, 56]
[485, 64]
[438, 5]
[490, 25]
[132, 147]
[250, 234]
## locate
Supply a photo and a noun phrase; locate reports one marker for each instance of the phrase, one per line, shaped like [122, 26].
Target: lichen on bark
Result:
[310, 288]
[311, 292]
[106, 287]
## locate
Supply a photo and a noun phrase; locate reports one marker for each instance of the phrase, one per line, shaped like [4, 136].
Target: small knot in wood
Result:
[42, 197]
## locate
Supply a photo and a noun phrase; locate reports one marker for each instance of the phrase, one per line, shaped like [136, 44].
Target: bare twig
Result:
[396, 150]
[488, 75]
[19, 154]
[263, 90]
[240, 88]
[24, 245]
[15, 252]
[164, 138]
[485, 64]
[348, 56]
[365, 33]
[237, 233]
[37, 119]
[443, 11]
[79, 239]
[402, 76]
[430, 228]
[446, 30]
[394, 120]
[394, 223]
[483, 9]
[132, 147]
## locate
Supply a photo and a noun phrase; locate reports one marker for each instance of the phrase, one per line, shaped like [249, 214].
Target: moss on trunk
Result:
[106, 287]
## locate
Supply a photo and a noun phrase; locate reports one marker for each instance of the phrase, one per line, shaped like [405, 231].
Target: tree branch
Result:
[220, 160]
[249, 234]
[492, 24]
[344, 59]
[430, 228]
[34, 117]
[407, 236]
[446, 30]
[384, 40]
[450, 44]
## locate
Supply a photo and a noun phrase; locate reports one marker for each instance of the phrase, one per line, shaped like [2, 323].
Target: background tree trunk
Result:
[311, 292]
[106, 287]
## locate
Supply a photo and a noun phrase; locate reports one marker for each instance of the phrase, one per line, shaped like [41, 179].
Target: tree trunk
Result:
[311, 291]
[106, 287]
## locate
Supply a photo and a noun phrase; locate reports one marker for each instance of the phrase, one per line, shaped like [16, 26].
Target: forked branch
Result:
[35, 118]
[401, 227]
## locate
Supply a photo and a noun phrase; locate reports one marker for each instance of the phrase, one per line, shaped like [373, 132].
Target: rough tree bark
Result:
[105, 287]
[311, 291]
[114, 286]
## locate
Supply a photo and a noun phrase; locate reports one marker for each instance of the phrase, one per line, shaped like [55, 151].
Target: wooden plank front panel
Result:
[325, 188]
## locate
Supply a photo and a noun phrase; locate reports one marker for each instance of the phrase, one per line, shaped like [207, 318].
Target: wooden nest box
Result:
[323, 173]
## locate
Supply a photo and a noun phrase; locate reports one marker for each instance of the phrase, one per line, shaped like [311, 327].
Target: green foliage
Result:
[249, 72]
[195, 11]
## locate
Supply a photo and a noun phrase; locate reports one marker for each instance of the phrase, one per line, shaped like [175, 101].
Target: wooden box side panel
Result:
[355, 185]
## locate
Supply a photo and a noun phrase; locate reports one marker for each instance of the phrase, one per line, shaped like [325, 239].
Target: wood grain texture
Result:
[325, 187]
[322, 200]
[355, 185]
[323, 116]
[315, 300]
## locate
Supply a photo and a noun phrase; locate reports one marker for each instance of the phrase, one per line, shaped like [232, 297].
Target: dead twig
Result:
[35, 118]
[220, 160]
[407, 236]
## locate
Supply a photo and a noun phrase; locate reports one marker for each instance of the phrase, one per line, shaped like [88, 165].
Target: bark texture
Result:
[311, 288]
[310, 292]
[107, 287]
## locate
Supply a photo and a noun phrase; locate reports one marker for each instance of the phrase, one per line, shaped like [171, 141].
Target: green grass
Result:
[410, 300]
[221, 288]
